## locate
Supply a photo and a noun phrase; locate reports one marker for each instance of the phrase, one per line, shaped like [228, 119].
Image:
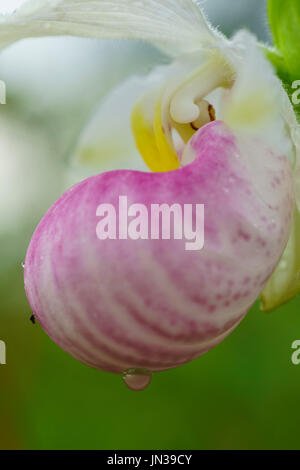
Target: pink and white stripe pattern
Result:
[120, 304]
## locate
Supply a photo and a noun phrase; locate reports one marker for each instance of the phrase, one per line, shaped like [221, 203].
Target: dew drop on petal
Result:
[137, 379]
[23, 265]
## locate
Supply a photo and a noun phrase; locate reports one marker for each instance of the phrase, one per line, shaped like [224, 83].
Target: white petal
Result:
[176, 25]
[107, 142]
[293, 129]
[256, 103]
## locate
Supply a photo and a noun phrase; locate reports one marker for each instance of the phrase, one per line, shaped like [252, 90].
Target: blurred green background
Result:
[244, 394]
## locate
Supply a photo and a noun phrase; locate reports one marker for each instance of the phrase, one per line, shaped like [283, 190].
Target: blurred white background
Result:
[9, 5]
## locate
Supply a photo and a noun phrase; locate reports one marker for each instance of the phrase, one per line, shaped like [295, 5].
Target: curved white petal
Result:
[176, 25]
[107, 141]
[293, 129]
[254, 102]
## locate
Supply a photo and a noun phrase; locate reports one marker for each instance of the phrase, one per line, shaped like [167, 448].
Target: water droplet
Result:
[137, 379]
[23, 265]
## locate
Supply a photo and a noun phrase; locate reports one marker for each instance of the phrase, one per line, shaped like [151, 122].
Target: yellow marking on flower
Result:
[150, 137]
[169, 156]
[250, 111]
[144, 138]
[185, 131]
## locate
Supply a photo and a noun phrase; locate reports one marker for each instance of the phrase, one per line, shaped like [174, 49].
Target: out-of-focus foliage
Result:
[284, 19]
[242, 395]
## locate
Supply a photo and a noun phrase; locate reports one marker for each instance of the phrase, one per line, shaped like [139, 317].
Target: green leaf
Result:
[284, 18]
[290, 85]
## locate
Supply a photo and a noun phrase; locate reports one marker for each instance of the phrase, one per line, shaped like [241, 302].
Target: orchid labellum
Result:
[216, 127]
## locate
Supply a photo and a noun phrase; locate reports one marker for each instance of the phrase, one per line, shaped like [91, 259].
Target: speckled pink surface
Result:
[119, 304]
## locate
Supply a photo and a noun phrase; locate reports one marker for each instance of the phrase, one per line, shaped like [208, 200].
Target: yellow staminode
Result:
[150, 136]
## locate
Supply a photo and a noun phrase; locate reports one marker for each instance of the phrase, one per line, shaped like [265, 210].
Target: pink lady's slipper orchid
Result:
[217, 129]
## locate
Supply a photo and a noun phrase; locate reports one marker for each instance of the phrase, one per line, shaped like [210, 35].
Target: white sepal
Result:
[175, 25]
[106, 142]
